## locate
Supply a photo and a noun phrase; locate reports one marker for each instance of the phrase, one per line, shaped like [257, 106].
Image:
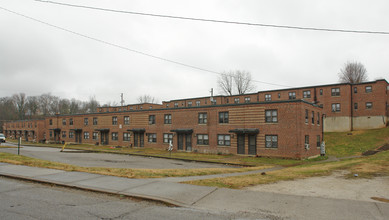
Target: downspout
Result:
[352, 107]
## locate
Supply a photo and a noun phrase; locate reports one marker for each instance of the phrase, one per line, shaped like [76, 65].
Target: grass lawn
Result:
[215, 158]
[121, 172]
[343, 144]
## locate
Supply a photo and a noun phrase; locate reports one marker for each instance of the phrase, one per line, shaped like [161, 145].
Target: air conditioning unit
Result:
[306, 146]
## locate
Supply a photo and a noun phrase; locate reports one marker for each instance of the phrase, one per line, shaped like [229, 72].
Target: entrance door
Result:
[252, 144]
[240, 143]
[26, 135]
[188, 142]
[78, 137]
[139, 140]
[104, 137]
[180, 142]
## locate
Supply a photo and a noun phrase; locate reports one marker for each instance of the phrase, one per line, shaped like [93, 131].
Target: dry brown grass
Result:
[121, 172]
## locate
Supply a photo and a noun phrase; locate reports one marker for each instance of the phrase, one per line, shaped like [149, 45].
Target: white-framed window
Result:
[71, 134]
[168, 119]
[203, 118]
[307, 94]
[95, 121]
[114, 120]
[95, 135]
[167, 137]
[126, 120]
[115, 136]
[126, 136]
[247, 99]
[292, 95]
[335, 107]
[151, 119]
[335, 92]
[63, 134]
[202, 139]
[152, 138]
[86, 121]
[368, 89]
[236, 100]
[369, 105]
[268, 97]
[271, 116]
[197, 103]
[223, 117]
[223, 139]
[86, 135]
[190, 104]
[271, 141]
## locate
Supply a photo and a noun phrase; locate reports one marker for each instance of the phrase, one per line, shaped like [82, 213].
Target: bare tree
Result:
[239, 81]
[32, 106]
[353, 72]
[243, 82]
[20, 104]
[147, 99]
[226, 82]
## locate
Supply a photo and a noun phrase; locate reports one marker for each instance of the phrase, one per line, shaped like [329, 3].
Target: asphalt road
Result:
[82, 158]
[26, 200]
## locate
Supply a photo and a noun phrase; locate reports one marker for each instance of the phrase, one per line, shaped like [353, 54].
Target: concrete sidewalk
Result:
[270, 205]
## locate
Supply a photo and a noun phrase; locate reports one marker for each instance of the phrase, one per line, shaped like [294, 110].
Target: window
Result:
[271, 116]
[197, 103]
[152, 138]
[335, 107]
[313, 117]
[369, 105]
[168, 119]
[368, 89]
[223, 117]
[51, 133]
[86, 121]
[306, 139]
[70, 121]
[268, 97]
[307, 94]
[51, 121]
[63, 134]
[202, 118]
[71, 134]
[271, 141]
[114, 120]
[63, 121]
[202, 139]
[355, 90]
[176, 105]
[335, 92]
[167, 138]
[223, 140]
[247, 99]
[292, 95]
[126, 136]
[236, 100]
[151, 119]
[95, 135]
[306, 116]
[189, 104]
[318, 118]
[126, 120]
[321, 91]
[115, 136]
[95, 121]
[86, 135]
[318, 141]
[279, 95]
[355, 106]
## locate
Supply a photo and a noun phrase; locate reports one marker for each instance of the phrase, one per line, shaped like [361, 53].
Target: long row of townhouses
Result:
[280, 123]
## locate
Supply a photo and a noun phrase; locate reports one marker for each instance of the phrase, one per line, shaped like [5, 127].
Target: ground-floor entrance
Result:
[184, 139]
[78, 136]
[246, 134]
[139, 139]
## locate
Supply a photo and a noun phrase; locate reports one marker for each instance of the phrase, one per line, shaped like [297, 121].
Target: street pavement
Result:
[272, 205]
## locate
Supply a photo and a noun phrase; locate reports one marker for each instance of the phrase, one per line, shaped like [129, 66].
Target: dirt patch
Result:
[334, 186]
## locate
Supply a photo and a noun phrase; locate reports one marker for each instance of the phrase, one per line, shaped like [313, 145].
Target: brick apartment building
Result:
[29, 130]
[279, 123]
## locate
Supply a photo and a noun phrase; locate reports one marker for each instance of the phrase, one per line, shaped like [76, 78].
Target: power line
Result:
[220, 21]
[126, 48]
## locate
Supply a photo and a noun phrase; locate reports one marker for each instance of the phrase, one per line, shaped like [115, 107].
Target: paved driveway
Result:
[82, 158]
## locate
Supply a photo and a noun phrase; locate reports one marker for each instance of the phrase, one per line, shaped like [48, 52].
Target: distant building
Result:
[279, 123]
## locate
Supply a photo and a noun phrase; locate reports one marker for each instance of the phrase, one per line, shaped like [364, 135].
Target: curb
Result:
[167, 202]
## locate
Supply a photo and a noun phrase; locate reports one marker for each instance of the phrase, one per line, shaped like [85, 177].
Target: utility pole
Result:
[122, 100]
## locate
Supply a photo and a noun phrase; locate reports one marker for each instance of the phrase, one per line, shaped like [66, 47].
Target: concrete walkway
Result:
[270, 205]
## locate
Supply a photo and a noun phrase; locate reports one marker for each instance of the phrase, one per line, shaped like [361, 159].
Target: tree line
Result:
[21, 107]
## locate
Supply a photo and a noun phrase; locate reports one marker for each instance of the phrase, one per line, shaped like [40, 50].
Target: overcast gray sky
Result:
[36, 58]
